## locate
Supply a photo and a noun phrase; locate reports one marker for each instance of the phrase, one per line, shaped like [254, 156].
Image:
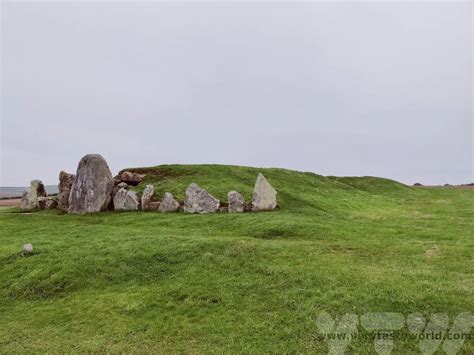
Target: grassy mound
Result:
[252, 282]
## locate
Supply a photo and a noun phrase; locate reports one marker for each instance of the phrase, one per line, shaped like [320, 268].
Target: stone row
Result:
[93, 189]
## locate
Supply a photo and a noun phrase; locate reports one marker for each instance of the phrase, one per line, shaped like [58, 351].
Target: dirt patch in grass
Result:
[10, 202]
[433, 251]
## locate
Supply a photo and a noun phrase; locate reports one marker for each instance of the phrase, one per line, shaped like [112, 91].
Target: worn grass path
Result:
[253, 282]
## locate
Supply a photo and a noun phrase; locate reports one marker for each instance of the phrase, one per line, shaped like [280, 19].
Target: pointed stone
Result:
[199, 200]
[264, 195]
[125, 200]
[236, 202]
[168, 204]
[30, 197]
[146, 197]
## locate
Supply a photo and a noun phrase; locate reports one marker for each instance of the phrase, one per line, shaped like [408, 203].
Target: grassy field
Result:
[253, 282]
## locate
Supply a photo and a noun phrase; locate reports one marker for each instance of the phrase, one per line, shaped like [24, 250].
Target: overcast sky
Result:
[346, 88]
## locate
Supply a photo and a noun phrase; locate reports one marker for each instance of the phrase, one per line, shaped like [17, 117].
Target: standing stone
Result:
[264, 195]
[92, 188]
[64, 189]
[168, 204]
[146, 197]
[236, 202]
[199, 200]
[30, 197]
[125, 200]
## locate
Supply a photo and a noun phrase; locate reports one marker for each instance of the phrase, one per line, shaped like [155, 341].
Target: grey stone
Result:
[125, 200]
[30, 197]
[146, 197]
[264, 195]
[27, 248]
[131, 178]
[199, 200]
[223, 209]
[118, 187]
[122, 185]
[50, 203]
[168, 204]
[236, 202]
[64, 189]
[92, 188]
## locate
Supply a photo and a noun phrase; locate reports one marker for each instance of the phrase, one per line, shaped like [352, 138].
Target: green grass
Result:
[253, 282]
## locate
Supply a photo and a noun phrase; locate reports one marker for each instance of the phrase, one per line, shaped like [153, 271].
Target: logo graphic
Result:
[339, 336]
[429, 334]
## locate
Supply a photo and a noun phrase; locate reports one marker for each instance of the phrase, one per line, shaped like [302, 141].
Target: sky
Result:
[340, 88]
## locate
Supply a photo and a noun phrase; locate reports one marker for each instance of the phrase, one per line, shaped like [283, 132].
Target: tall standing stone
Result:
[91, 190]
[146, 197]
[264, 195]
[33, 195]
[199, 200]
[64, 189]
[236, 202]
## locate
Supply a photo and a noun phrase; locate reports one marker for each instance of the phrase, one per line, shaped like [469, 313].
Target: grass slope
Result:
[253, 282]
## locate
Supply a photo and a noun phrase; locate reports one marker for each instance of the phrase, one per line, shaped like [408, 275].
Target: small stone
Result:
[199, 200]
[236, 202]
[146, 197]
[168, 204]
[223, 209]
[27, 248]
[264, 195]
[125, 200]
